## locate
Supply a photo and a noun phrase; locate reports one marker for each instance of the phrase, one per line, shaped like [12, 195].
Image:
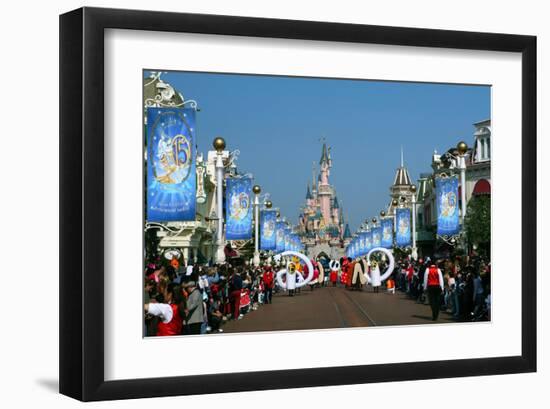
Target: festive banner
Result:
[368, 241]
[362, 243]
[280, 237]
[403, 232]
[171, 174]
[446, 193]
[376, 237]
[287, 239]
[268, 224]
[387, 233]
[295, 242]
[238, 216]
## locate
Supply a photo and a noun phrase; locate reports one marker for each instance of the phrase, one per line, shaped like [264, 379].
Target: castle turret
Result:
[309, 196]
[324, 190]
[335, 212]
[401, 185]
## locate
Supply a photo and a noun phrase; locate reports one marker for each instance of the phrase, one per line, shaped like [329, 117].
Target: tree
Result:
[478, 221]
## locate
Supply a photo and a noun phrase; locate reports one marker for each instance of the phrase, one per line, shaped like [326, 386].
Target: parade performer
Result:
[349, 273]
[334, 269]
[315, 278]
[344, 263]
[390, 286]
[321, 279]
[358, 279]
[292, 282]
[376, 277]
[433, 285]
[375, 280]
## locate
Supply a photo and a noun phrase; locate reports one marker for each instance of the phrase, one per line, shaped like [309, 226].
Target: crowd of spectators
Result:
[466, 294]
[198, 299]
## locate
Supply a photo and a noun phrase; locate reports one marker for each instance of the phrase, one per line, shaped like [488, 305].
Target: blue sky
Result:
[277, 123]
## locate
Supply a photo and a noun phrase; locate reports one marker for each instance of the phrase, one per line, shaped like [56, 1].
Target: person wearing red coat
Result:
[268, 279]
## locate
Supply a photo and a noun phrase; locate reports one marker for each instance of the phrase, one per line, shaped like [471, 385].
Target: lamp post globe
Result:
[382, 213]
[413, 188]
[268, 204]
[462, 147]
[256, 189]
[394, 202]
[219, 144]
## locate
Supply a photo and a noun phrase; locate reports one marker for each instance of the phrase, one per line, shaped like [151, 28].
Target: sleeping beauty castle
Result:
[321, 222]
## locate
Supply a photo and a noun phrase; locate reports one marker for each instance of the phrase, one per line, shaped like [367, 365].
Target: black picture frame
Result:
[82, 200]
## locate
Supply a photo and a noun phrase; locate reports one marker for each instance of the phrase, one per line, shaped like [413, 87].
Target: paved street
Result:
[330, 307]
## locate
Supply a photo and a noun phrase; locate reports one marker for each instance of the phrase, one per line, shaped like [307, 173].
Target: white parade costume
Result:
[294, 279]
[375, 280]
[358, 273]
[321, 278]
[376, 277]
[290, 280]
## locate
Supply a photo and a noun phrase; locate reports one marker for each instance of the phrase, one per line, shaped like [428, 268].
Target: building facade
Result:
[478, 182]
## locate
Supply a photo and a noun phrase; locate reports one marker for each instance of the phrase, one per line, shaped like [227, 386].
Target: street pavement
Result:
[335, 307]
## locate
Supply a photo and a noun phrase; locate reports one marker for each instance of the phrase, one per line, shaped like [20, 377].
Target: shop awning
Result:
[482, 187]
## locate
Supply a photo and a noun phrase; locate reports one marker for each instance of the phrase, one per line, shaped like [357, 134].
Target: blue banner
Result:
[280, 237]
[376, 237]
[295, 242]
[362, 243]
[171, 174]
[387, 233]
[446, 193]
[238, 215]
[368, 240]
[268, 225]
[287, 239]
[403, 231]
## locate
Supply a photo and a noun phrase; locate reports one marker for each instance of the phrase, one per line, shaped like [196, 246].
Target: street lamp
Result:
[257, 190]
[394, 206]
[462, 148]
[219, 146]
[414, 252]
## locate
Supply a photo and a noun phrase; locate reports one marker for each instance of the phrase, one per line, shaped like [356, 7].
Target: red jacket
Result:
[410, 272]
[433, 276]
[268, 279]
[174, 326]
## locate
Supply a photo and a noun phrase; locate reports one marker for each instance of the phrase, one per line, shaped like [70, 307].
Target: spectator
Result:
[194, 314]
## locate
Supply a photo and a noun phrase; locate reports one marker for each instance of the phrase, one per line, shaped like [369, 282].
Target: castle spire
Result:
[347, 232]
[313, 177]
[324, 155]
[308, 194]
[402, 163]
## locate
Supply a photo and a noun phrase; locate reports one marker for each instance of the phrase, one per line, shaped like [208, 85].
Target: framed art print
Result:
[328, 197]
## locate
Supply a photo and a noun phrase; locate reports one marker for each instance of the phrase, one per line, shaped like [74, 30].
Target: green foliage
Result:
[478, 220]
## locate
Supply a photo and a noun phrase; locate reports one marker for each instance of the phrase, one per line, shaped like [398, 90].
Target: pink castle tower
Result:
[324, 190]
[335, 212]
